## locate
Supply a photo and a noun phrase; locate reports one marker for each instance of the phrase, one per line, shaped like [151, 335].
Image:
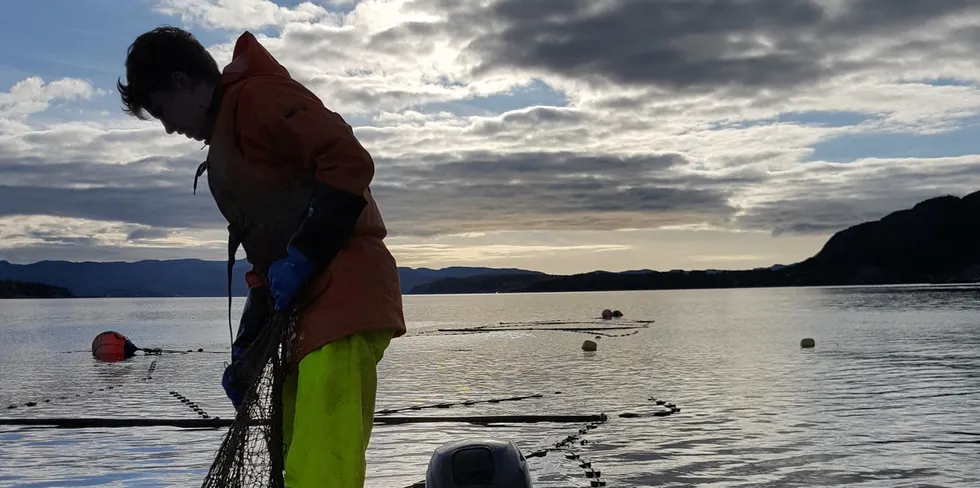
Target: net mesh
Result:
[252, 451]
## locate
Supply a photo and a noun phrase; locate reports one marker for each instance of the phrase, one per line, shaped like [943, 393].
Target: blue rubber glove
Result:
[288, 274]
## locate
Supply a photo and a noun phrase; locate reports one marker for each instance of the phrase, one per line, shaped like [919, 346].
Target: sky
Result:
[562, 136]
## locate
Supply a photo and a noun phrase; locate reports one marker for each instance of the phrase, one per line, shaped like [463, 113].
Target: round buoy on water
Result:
[589, 346]
[807, 343]
[607, 314]
[112, 346]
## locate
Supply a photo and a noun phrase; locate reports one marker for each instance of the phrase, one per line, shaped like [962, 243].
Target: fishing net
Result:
[602, 328]
[252, 451]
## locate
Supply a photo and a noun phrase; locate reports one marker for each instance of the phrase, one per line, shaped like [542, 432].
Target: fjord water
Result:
[889, 397]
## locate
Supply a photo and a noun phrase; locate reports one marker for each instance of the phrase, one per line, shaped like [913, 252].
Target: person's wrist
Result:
[302, 263]
[295, 254]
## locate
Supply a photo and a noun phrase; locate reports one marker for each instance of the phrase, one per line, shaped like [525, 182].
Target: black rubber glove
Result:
[255, 315]
[329, 223]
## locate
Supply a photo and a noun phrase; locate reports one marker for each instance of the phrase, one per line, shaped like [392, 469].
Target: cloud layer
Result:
[510, 115]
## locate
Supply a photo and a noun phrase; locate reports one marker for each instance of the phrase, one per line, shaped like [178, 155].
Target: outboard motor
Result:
[478, 464]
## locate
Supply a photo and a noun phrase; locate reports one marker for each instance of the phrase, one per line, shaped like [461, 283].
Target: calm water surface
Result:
[889, 397]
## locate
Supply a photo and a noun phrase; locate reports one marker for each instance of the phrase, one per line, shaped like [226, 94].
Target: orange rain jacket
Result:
[271, 139]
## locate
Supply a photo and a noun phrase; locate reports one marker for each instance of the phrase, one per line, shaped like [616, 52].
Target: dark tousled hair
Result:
[152, 59]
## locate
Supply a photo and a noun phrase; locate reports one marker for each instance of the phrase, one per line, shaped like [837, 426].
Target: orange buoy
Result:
[112, 346]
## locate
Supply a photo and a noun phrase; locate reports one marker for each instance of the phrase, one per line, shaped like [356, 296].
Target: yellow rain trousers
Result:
[328, 412]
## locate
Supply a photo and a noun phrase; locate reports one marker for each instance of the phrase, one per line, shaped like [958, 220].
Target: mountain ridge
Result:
[935, 241]
[183, 277]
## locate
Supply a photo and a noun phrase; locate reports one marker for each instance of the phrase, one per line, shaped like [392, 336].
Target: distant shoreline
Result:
[13, 289]
[931, 286]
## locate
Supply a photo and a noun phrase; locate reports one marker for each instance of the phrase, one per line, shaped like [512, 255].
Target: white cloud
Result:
[239, 14]
[33, 95]
[25, 231]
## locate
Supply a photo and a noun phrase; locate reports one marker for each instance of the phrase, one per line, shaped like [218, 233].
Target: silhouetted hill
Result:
[413, 278]
[25, 289]
[936, 241]
[484, 283]
[151, 278]
[607, 281]
[182, 277]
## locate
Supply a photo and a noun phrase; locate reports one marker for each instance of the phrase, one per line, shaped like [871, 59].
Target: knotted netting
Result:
[252, 451]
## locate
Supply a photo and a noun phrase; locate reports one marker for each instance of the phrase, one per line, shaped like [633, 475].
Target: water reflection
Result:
[888, 397]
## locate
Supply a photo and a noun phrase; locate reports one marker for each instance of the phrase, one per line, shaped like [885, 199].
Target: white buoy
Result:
[808, 343]
[589, 346]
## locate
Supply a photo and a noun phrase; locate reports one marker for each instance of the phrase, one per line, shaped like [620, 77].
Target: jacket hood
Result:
[250, 58]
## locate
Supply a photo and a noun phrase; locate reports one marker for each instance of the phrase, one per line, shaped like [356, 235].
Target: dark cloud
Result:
[816, 205]
[542, 191]
[824, 215]
[153, 206]
[53, 237]
[874, 17]
[150, 172]
[426, 196]
[539, 165]
[98, 251]
[536, 118]
[744, 45]
[367, 98]
[155, 192]
[393, 40]
[140, 234]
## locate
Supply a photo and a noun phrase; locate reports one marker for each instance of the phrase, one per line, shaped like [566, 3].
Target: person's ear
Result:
[180, 81]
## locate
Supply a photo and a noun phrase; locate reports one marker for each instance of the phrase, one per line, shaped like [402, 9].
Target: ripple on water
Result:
[887, 398]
